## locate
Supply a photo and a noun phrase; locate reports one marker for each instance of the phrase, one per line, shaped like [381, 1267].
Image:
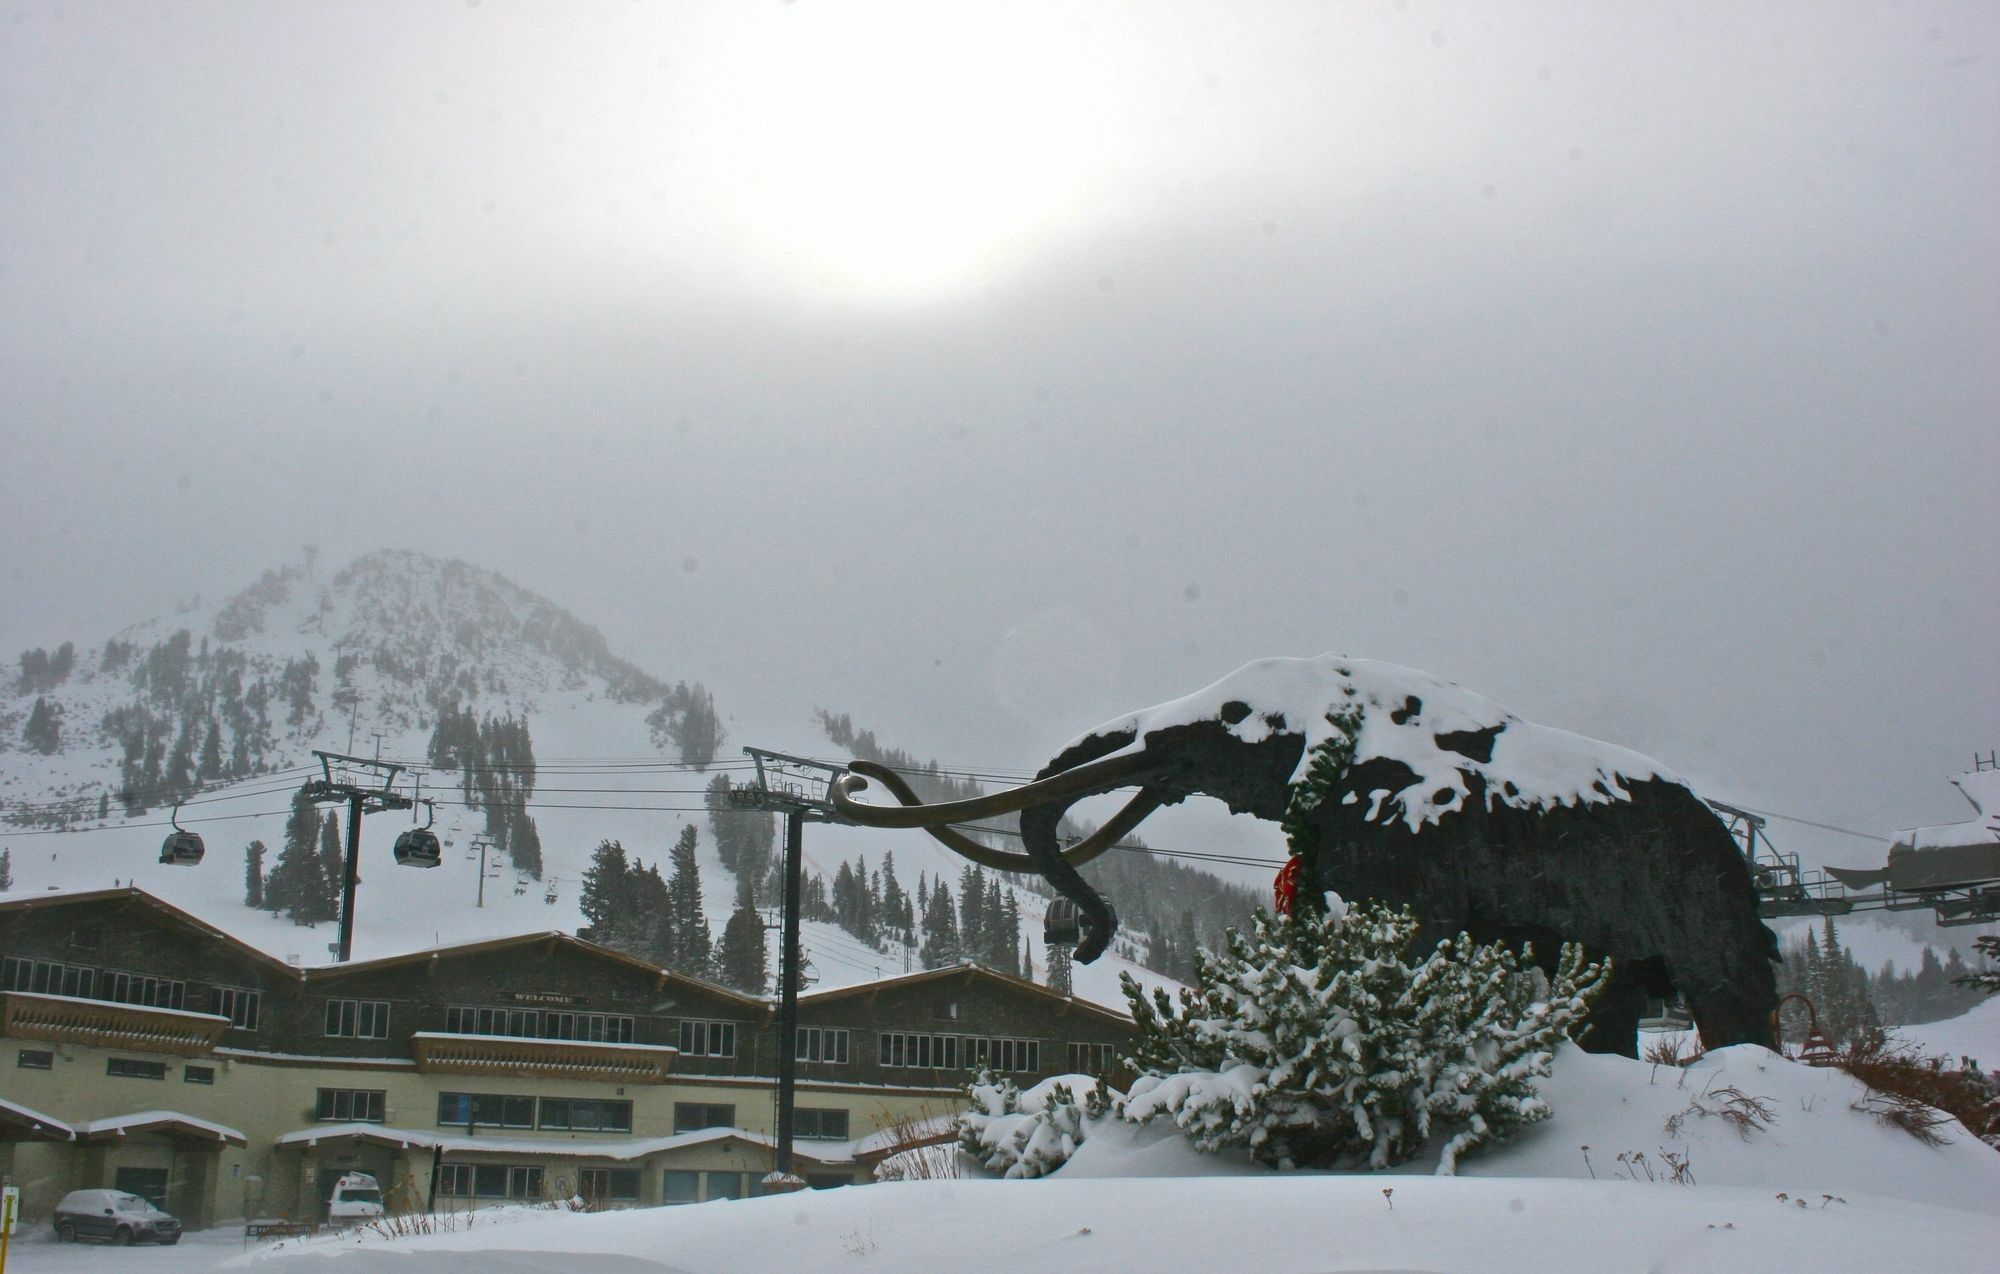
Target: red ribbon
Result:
[1285, 889]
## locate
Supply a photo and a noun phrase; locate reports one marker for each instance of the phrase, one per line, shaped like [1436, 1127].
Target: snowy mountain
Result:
[222, 707]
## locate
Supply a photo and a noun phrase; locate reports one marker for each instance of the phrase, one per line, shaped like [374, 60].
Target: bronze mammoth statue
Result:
[1393, 785]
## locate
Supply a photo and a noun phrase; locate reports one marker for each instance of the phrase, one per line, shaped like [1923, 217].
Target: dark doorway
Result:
[149, 1184]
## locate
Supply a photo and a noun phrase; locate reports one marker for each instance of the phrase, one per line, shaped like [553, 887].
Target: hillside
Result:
[222, 705]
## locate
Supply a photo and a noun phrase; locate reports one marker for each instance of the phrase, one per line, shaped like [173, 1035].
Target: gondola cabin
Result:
[1059, 924]
[181, 848]
[418, 848]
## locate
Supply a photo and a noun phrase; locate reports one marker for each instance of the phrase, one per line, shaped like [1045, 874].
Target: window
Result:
[580, 1114]
[359, 1019]
[472, 1019]
[815, 1123]
[36, 1059]
[822, 1044]
[1003, 1055]
[708, 1039]
[598, 1028]
[932, 1052]
[455, 1180]
[681, 1186]
[352, 1105]
[236, 1004]
[506, 1181]
[140, 988]
[723, 1185]
[489, 1110]
[198, 1074]
[47, 977]
[133, 1068]
[826, 1181]
[1091, 1059]
[608, 1185]
[695, 1116]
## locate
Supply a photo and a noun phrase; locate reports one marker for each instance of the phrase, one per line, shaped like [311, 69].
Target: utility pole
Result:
[798, 788]
[361, 798]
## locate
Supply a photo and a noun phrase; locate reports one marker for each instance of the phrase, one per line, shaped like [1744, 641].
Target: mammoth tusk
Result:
[1092, 846]
[1074, 784]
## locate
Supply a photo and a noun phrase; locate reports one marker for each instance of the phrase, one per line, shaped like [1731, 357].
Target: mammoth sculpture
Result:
[1393, 785]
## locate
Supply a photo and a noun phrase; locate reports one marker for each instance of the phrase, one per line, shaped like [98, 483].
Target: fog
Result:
[989, 372]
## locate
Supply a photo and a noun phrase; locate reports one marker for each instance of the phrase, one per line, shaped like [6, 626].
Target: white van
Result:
[356, 1199]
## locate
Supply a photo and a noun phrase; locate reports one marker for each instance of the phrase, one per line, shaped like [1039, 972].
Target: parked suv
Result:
[113, 1216]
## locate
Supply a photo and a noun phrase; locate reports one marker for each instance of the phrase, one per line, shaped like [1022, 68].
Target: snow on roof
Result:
[142, 1120]
[1982, 788]
[96, 1003]
[1532, 765]
[567, 1148]
[17, 1113]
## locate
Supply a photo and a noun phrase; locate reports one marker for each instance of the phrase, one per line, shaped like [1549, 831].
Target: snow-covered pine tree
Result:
[690, 922]
[1322, 1042]
[1059, 977]
[740, 959]
[253, 874]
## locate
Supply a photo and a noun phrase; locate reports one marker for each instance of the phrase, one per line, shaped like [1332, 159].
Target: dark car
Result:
[113, 1216]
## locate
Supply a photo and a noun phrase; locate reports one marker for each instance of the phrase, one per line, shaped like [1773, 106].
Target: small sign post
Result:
[10, 1211]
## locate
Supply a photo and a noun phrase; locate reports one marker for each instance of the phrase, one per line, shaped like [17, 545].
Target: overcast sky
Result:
[989, 371]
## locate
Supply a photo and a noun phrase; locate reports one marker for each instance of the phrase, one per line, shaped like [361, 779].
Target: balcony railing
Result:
[64, 1019]
[519, 1055]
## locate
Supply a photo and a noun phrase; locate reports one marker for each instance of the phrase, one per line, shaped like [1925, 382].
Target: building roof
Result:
[551, 938]
[133, 895]
[966, 972]
[624, 1148]
[20, 1123]
[167, 1121]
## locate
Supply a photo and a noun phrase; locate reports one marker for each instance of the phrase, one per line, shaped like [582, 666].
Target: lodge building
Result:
[146, 1050]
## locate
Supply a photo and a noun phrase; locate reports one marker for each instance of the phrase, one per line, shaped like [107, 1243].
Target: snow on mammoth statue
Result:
[1391, 784]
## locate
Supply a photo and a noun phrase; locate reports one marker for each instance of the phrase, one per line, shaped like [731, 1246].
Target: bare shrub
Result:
[1922, 1095]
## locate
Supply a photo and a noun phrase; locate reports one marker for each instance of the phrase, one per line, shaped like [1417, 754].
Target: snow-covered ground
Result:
[1823, 1185]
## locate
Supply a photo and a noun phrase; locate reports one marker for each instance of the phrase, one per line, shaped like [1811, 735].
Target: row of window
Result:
[561, 1114]
[821, 1044]
[597, 1028]
[369, 1019]
[124, 1067]
[53, 977]
[953, 1052]
[609, 1185]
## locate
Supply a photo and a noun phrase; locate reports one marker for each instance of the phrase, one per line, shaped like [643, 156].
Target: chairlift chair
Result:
[181, 848]
[1060, 925]
[419, 846]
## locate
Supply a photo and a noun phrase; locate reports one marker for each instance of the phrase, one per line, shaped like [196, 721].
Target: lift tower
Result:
[365, 786]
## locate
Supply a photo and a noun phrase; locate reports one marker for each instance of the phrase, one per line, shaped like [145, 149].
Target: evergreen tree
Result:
[1986, 981]
[210, 765]
[1325, 1041]
[297, 885]
[253, 874]
[941, 947]
[741, 958]
[6, 870]
[605, 887]
[690, 921]
[894, 901]
[1059, 977]
[332, 854]
[43, 733]
[972, 913]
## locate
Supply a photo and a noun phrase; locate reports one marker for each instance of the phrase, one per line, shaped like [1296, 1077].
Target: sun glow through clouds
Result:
[900, 154]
